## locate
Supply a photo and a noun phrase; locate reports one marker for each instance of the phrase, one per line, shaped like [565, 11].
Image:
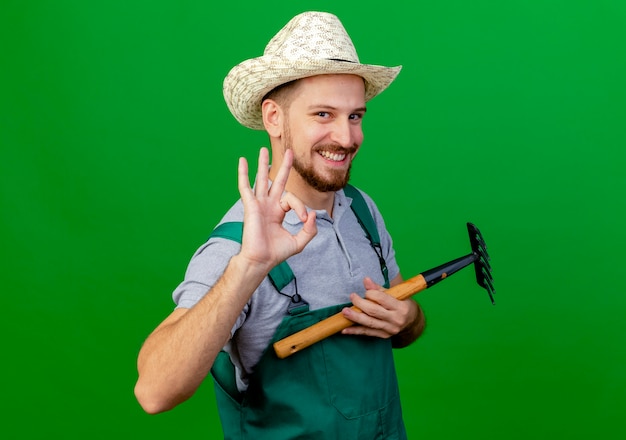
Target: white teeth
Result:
[337, 157]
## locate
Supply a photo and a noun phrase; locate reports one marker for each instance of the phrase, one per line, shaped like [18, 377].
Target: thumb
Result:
[369, 284]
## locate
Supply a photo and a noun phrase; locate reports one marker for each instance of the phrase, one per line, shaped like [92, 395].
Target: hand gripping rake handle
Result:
[329, 326]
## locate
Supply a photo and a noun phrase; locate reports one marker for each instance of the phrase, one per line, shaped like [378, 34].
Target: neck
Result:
[310, 197]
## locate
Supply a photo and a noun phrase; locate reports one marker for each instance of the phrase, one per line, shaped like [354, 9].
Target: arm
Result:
[384, 316]
[179, 353]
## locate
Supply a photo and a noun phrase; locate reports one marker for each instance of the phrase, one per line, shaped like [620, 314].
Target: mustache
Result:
[333, 148]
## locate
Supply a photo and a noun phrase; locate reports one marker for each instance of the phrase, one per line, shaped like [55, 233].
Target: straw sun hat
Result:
[312, 43]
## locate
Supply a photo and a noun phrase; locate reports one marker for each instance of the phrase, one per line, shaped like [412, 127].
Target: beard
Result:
[332, 180]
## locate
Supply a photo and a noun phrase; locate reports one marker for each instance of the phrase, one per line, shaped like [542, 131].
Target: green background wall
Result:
[118, 156]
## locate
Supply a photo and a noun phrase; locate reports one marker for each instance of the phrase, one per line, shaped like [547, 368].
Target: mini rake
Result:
[329, 326]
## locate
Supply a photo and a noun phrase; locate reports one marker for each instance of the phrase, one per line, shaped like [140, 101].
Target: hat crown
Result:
[313, 36]
[311, 43]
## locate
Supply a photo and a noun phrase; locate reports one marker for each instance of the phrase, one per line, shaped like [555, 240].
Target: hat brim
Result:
[248, 82]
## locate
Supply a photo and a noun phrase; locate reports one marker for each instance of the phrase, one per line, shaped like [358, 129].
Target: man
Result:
[309, 92]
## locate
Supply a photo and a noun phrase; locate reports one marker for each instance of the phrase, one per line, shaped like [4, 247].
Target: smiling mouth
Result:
[335, 157]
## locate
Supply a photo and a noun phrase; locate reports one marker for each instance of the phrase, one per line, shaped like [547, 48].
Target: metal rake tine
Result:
[491, 292]
[481, 240]
[488, 280]
[481, 245]
[485, 280]
[482, 267]
[484, 260]
[490, 289]
[487, 274]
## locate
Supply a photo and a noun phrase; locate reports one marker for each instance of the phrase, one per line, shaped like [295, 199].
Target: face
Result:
[323, 128]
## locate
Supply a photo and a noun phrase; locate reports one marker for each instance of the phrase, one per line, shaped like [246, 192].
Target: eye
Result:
[323, 114]
[356, 116]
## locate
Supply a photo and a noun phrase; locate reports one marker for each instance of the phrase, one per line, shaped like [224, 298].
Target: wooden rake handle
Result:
[333, 324]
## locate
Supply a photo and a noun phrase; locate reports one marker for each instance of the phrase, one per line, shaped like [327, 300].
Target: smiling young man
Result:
[319, 119]
[309, 92]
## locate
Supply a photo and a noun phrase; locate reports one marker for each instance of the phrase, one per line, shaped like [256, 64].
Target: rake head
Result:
[479, 257]
[481, 262]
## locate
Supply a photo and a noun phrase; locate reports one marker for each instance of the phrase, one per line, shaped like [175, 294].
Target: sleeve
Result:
[206, 267]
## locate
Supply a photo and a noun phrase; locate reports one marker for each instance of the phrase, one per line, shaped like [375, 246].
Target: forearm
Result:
[413, 330]
[178, 355]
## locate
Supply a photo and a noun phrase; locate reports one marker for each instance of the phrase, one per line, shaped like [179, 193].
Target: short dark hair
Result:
[282, 94]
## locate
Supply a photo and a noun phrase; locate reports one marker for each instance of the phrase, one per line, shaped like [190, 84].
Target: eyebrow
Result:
[330, 107]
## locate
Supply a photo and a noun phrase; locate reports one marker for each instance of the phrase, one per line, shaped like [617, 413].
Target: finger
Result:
[290, 201]
[377, 293]
[366, 331]
[280, 181]
[243, 180]
[306, 234]
[284, 205]
[370, 284]
[261, 181]
[393, 313]
[369, 306]
[382, 311]
[381, 298]
[366, 324]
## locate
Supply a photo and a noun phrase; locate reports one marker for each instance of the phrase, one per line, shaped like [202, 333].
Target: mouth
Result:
[332, 156]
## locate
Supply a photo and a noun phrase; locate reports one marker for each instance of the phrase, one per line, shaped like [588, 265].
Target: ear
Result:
[272, 117]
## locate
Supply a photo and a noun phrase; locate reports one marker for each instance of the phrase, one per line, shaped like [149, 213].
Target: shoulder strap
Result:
[280, 275]
[364, 216]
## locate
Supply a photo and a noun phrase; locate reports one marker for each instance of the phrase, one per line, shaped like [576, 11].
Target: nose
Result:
[346, 134]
